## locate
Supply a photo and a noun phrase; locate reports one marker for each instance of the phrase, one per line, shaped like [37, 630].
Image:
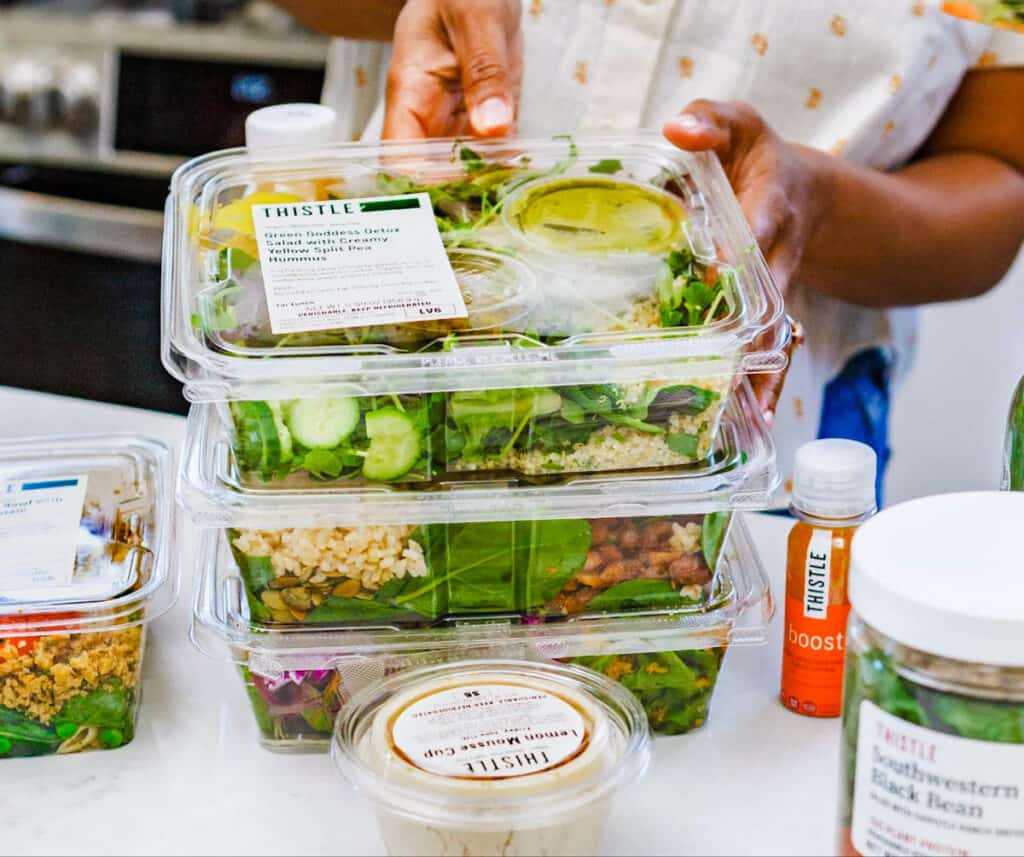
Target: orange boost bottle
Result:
[833, 493]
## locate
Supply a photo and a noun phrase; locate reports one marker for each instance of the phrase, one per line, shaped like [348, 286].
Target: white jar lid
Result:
[945, 575]
[290, 125]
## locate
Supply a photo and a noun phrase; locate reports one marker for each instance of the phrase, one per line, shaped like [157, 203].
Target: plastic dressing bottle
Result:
[833, 493]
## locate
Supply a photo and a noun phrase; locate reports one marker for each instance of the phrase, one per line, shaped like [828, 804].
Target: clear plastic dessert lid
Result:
[562, 736]
[436, 265]
[85, 529]
[737, 610]
[740, 474]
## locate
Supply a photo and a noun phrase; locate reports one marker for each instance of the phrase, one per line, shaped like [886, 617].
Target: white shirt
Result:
[864, 79]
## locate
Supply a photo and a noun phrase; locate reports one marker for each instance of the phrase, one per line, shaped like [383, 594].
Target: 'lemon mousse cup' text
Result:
[492, 757]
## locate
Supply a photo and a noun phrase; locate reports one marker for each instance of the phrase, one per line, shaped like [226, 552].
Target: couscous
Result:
[62, 693]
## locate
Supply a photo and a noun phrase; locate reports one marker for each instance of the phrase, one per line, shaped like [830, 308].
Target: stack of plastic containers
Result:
[530, 449]
[86, 531]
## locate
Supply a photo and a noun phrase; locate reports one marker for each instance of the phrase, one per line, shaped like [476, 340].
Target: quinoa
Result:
[39, 674]
[312, 565]
[608, 448]
[372, 555]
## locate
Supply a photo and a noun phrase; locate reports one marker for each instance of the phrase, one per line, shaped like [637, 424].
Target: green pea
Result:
[66, 730]
[111, 738]
[5, 746]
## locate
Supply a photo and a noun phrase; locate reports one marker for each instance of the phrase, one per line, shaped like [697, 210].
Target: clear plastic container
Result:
[492, 757]
[739, 474]
[298, 675]
[71, 646]
[613, 294]
[420, 557]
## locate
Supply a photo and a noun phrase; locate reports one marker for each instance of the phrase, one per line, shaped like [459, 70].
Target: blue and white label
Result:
[39, 531]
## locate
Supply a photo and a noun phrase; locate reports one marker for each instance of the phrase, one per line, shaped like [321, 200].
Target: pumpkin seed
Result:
[347, 589]
[273, 600]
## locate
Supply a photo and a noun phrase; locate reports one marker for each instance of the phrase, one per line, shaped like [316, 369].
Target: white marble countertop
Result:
[756, 780]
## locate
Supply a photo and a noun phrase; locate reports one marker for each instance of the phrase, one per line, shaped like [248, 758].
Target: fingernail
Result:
[688, 123]
[492, 115]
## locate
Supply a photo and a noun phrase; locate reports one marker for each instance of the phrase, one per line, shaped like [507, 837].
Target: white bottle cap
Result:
[943, 575]
[834, 478]
[290, 125]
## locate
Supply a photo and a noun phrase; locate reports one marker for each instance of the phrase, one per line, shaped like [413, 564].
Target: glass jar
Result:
[933, 704]
[1013, 457]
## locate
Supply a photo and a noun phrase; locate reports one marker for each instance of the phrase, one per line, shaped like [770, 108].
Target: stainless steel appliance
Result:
[99, 102]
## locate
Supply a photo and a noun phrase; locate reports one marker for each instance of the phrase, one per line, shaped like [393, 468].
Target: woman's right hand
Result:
[455, 70]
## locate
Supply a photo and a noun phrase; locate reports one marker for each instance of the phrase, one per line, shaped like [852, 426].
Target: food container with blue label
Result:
[85, 537]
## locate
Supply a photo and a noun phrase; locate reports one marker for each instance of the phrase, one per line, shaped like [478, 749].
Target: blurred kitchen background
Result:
[101, 99]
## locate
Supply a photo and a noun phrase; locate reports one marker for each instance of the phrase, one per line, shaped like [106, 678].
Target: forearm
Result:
[352, 19]
[943, 228]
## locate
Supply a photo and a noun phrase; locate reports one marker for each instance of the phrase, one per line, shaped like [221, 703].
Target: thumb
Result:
[727, 129]
[483, 47]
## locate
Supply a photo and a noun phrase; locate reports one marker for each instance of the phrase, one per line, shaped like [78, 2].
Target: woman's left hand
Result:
[777, 185]
[776, 182]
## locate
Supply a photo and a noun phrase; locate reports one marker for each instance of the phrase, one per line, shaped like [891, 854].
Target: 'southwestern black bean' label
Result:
[353, 263]
[489, 731]
[923, 792]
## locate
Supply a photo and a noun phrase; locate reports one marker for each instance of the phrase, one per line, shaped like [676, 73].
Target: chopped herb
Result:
[608, 166]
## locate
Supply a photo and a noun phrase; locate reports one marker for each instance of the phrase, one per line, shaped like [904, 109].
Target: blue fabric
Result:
[856, 406]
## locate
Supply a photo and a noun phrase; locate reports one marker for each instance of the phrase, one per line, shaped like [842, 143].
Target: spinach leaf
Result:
[608, 166]
[335, 609]
[479, 567]
[674, 687]
[660, 670]
[880, 683]
[470, 158]
[260, 709]
[685, 399]
[682, 443]
[322, 463]
[26, 736]
[712, 536]
[109, 706]
[979, 719]
[638, 595]
[257, 571]
[548, 555]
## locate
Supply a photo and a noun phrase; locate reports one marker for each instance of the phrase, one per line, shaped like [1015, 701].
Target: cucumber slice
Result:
[322, 423]
[283, 435]
[263, 442]
[395, 445]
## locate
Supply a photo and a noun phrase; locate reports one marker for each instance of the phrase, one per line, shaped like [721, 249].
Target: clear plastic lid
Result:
[496, 747]
[737, 609]
[85, 530]
[514, 262]
[739, 474]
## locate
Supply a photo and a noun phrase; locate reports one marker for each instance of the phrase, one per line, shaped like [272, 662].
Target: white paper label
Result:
[489, 731]
[817, 574]
[354, 262]
[39, 523]
[920, 792]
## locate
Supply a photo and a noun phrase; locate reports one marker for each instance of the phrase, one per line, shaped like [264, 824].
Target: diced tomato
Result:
[24, 645]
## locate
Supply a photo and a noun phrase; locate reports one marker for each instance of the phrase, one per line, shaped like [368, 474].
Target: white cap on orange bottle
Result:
[834, 478]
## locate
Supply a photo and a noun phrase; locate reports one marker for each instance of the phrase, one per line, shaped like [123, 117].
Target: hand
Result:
[455, 70]
[778, 186]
